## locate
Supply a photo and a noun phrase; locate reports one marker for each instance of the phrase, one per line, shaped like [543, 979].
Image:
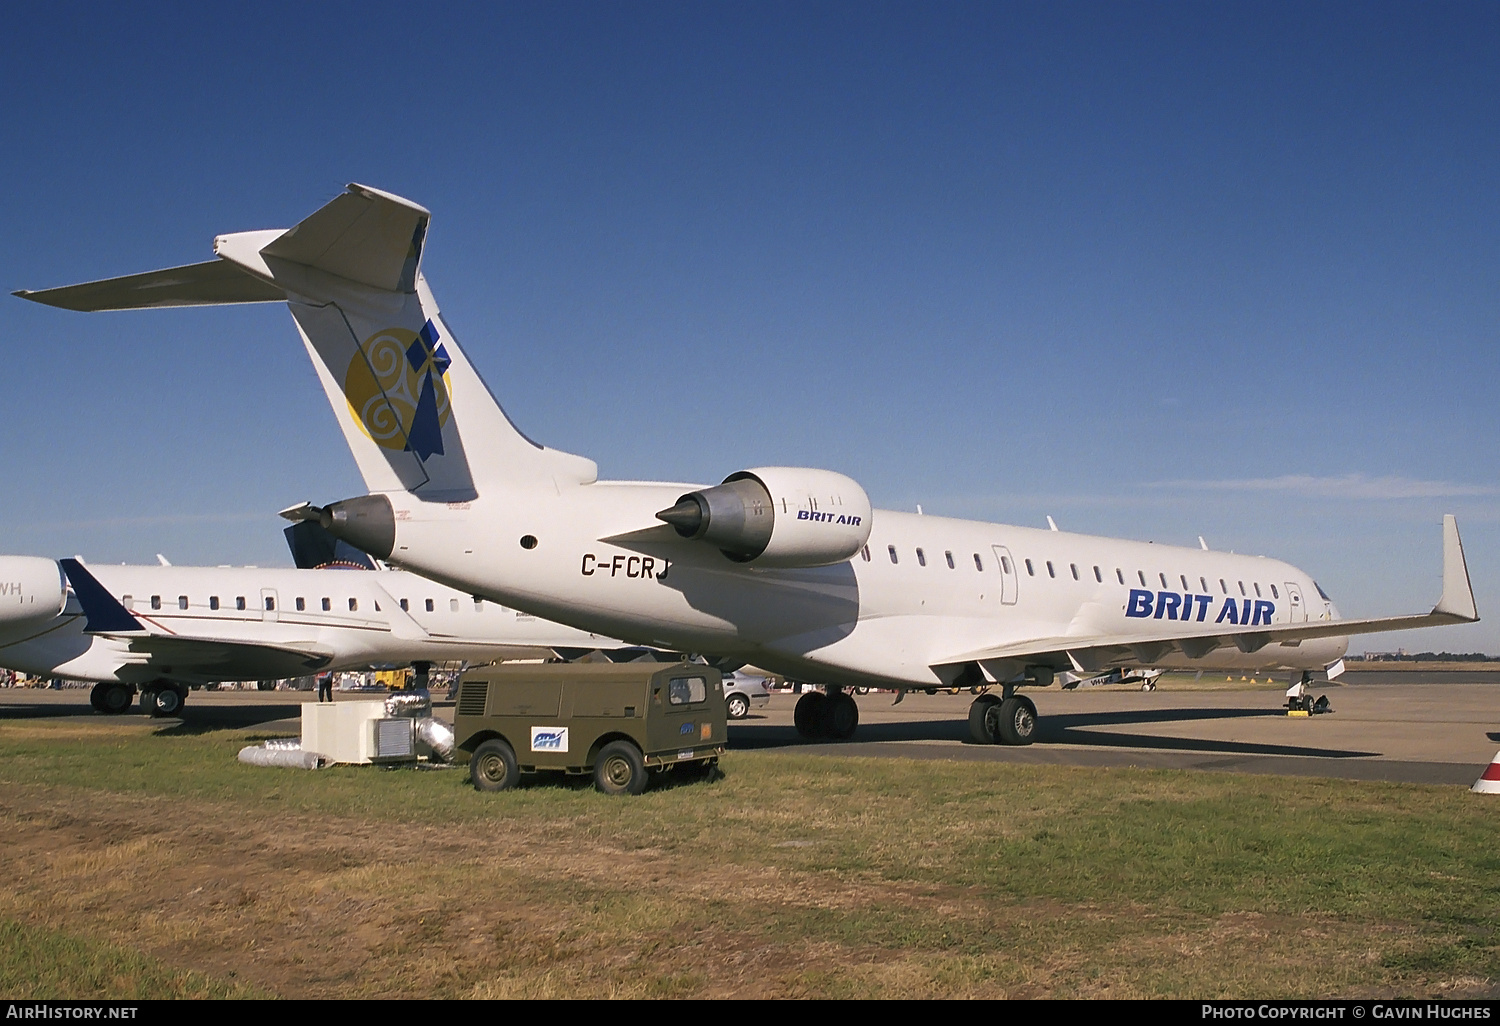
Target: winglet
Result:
[105, 615]
[1458, 593]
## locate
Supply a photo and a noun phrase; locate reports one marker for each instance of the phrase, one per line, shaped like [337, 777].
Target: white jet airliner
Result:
[784, 567]
[159, 630]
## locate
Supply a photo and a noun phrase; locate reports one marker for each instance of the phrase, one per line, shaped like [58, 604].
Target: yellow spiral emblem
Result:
[385, 385]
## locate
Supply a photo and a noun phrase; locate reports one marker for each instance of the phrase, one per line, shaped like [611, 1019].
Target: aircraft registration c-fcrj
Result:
[785, 567]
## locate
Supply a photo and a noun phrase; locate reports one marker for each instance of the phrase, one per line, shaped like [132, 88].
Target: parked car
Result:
[742, 693]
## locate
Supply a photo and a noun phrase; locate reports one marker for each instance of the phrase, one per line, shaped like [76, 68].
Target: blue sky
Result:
[1155, 270]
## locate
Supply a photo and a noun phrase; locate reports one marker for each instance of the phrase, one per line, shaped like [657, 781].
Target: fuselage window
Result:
[327, 604]
[1242, 587]
[921, 558]
[1142, 575]
[353, 605]
[1163, 580]
[429, 605]
[1098, 576]
[270, 603]
[453, 605]
[128, 601]
[239, 602]
[892, 550]
[479, 605]
[213, 602]
[1074, 567]
[949, 557]
[155, 601]
[181, 601]
[1223, 585]
[865, 552]
[405, 606]
[301, 603]
[1030, 570]
[1203, 581]
[1050, 572]
[1185, 585]
[979, 563]
[1257, 589]
[1274, 593]
[1120, 574]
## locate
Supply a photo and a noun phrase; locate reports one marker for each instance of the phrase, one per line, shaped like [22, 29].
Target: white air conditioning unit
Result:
[358, 733]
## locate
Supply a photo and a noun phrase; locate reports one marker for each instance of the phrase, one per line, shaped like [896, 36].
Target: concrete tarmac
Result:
[1434, 732]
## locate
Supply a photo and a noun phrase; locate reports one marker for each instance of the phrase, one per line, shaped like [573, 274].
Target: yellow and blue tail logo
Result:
[398, 390]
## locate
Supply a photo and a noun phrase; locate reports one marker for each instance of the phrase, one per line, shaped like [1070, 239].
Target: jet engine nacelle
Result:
[32, 590]
[777, 517]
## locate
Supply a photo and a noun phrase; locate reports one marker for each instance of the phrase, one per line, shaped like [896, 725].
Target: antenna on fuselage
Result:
[1052, 523]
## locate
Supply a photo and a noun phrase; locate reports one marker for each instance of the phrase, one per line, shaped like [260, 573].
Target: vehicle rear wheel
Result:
[620, 769]
[493, 766]
[148, 702]
[737, 707]
[1017, 718]
[808, 716]
[840, 717]
[984, 725]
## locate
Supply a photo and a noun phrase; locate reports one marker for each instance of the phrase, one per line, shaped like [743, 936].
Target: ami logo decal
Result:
[1171, 605]
[828, 518]
[549, 739]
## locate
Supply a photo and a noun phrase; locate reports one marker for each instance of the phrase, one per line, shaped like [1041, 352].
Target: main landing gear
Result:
[826, 716]
[1002, 721]
[160, 699]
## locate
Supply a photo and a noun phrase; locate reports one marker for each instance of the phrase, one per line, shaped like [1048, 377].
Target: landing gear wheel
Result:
[169, 702]
[116, 699]
[984, 723]
[808, 716]
[96, 697]
[839, 717]
[148, 702]
[738, 707]
[620, 769]
[493, 767]
[1017, 718]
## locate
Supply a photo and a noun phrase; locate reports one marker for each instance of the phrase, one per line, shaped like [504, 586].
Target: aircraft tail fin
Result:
[104, 613]
[414, 412]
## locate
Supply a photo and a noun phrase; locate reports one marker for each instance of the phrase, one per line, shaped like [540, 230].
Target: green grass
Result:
[841, 877]
[39, 964]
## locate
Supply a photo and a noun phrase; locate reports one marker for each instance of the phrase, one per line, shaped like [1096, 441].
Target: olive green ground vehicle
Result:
[619, 721]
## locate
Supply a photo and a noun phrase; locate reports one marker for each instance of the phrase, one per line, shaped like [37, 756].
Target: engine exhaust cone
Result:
[686, 517]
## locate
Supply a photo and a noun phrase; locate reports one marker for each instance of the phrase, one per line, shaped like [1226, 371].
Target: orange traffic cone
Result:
[1489, 782]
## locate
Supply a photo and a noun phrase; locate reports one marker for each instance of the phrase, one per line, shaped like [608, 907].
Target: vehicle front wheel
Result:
[493, 766]
[620, 769]
[738, 707]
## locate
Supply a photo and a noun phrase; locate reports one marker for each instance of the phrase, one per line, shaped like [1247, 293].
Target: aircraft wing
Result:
[1093, 651]
[152, 654]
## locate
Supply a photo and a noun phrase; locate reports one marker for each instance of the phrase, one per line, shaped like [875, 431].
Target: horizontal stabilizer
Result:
[206, 284]
[365, 235]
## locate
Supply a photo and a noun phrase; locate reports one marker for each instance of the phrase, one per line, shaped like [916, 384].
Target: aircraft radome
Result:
[160, 630]
[786, 567]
